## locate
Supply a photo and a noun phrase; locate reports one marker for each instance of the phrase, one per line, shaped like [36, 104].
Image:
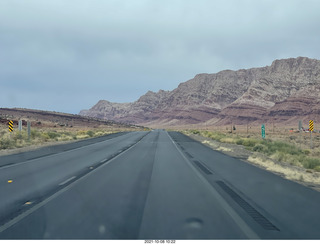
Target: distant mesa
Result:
[287, 90]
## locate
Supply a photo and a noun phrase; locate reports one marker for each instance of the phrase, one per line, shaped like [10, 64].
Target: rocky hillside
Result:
[40, 118]
[286, 90]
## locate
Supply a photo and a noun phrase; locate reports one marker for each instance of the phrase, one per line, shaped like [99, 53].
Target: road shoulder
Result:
[287, 171]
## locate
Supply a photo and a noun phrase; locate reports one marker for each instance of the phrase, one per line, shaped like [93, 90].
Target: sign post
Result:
[300, 129]
[311, 129]
[29, 129]
[300, 125]
[263, 131]
[20, 125]
[10, 124]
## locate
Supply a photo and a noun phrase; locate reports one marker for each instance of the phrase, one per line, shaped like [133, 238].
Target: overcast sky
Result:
[66, 55]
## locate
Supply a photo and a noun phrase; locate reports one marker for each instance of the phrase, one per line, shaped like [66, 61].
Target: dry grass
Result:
[280, 153]
[283, 144]
[225, 149]
[41, 136]
[286, 134]
[291, 173]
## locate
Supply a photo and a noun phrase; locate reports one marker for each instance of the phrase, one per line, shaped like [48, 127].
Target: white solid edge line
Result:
[44, 202]
[224, 204]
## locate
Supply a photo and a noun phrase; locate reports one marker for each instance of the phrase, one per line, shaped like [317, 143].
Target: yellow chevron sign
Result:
[10, 125]
[310, 125]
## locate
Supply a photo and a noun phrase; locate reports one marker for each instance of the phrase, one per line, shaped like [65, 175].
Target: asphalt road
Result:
[150, 185]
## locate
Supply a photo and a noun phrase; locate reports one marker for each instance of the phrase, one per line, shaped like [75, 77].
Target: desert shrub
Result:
[216, 136]
[81, 132]
[196, 132]
[18, 136]
[82, 136]
[295, 162]
[66, 138]
[228, 140]
[90, 133]
[100, 133]
[265, 141]
[45, 137]
[288, 148]
[207, 134]
[278, 150]
[306, 151]
[249, 142]
[6, 143]
[279, 156]
[311, 163]
[283, 147]
[260, 148]
[67, 133]
[35, 133]
[301, 178]
[239, 141]
[52, 134]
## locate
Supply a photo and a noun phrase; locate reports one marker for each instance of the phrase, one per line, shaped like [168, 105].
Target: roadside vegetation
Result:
[39, 136]
[283, 151]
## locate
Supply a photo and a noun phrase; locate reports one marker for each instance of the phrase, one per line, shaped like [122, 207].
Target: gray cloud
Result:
[66, 55]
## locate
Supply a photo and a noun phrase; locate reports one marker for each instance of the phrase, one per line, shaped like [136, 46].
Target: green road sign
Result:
[263, 131]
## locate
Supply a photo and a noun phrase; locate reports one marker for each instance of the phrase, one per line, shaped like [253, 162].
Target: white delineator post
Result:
[29, 129]
[20, 125]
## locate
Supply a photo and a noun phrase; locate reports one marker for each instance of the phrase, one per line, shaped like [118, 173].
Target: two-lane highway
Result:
[33, 180]
[151, 185]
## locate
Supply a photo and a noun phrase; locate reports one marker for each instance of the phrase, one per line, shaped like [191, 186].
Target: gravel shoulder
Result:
[302, 176]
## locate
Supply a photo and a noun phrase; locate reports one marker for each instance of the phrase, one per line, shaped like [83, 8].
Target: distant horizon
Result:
[77, 113]
[66, 56]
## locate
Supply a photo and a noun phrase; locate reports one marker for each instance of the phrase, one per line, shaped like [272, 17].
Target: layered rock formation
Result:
[286, 89]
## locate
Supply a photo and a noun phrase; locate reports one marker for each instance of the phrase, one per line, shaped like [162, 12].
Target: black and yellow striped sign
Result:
[310, 125]
[10, 125]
